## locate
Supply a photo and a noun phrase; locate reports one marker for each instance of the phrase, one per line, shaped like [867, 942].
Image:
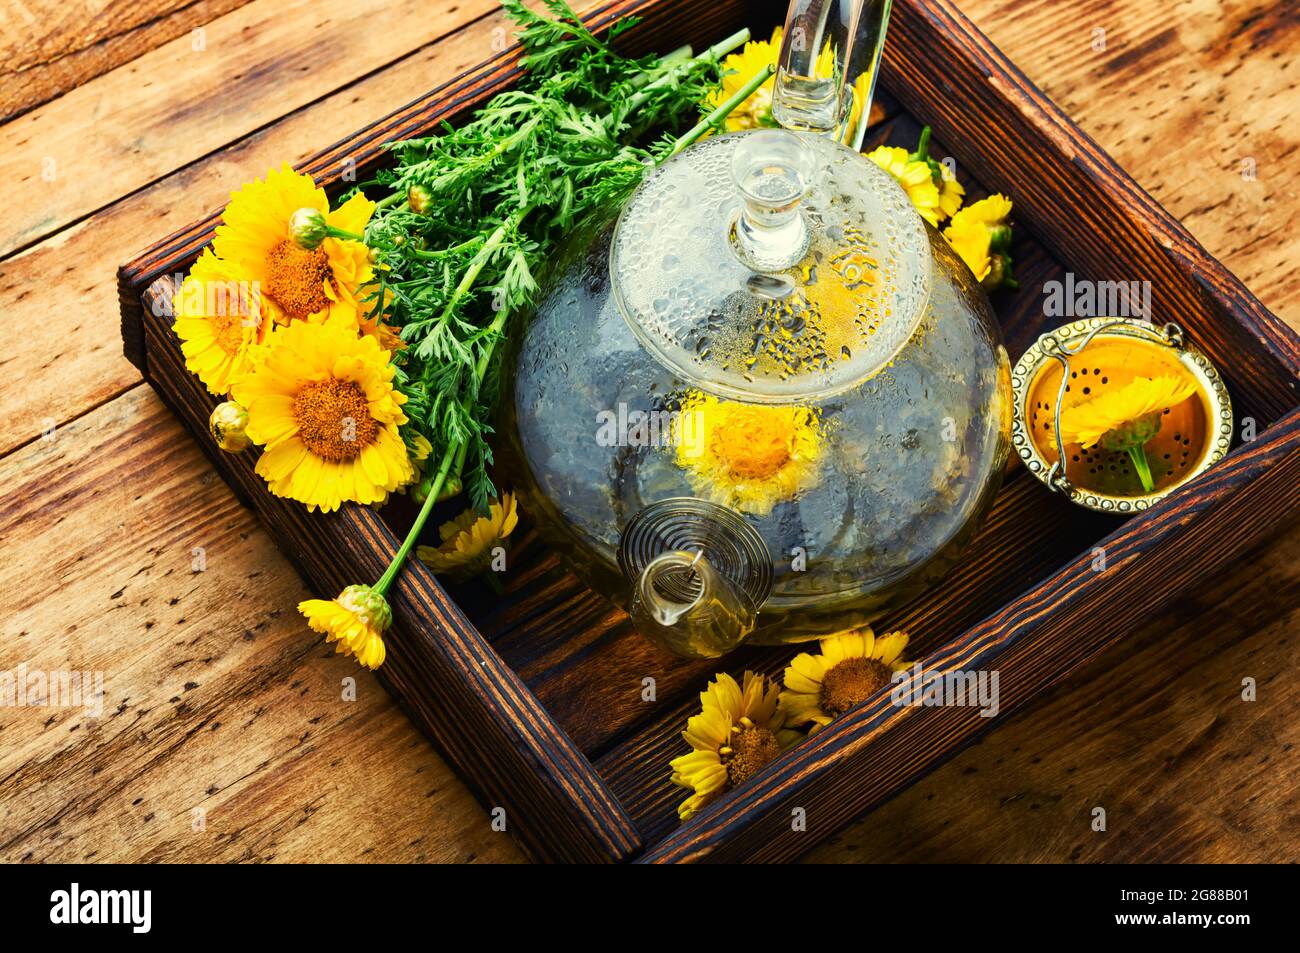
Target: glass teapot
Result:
[769, 401]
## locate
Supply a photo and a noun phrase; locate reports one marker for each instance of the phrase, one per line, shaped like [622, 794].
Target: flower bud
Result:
[227, 426]
[419, 199]
[368, 606]
[450, 487]
[307, 228]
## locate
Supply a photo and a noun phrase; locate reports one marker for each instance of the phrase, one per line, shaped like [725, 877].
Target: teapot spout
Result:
[682, 603]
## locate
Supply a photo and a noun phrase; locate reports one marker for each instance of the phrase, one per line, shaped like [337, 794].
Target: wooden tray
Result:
[536, 697]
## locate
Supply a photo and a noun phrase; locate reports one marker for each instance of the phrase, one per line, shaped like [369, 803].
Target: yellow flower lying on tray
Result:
[914, 176]
[321, 401]
[851, 667]
[981, 235]
[218, 320]
[280, 232]
[469, 539]
[739, 730]
[356, 620]
[1123, 420]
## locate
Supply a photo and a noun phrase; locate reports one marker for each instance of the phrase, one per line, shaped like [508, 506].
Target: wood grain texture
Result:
[213, 700]
[503, 743]
[173, 105]
[1126, 111]
[59, 46]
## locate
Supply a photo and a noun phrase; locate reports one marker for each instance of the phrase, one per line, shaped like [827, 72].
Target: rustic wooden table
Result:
[225, 734]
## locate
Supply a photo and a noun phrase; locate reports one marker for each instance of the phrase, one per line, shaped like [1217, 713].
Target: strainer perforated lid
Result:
[771, 266]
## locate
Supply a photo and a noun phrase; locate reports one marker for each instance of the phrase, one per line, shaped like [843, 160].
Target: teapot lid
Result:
[771, 266]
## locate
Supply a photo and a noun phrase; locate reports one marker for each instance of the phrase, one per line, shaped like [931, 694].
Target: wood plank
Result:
[73, 272]
[173, 105]
[480, 713]
[61, 45]
[1154, 731]
[216, 698]
[1085, 209]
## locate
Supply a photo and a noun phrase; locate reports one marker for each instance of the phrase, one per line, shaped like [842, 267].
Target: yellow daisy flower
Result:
[738, 731]
[1087, 424]
[973, 244]
[951, 193]
[356, 620]
[218, 312]
[468, 540]
[747, 456]
[1124, 419]
[981, 234]
[851, 667]
[321, 401]
[299, 283]
[914, 176]
[991, 212]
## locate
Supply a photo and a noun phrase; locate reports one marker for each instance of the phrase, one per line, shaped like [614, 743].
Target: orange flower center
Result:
[750, 750]
[850, 682]
[228, 329]
[295, 278]
[755, 443]
[334, 419]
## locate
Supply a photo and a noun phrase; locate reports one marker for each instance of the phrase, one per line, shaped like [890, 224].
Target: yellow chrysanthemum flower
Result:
[851, 667]
[468, 540]
[914, 176]
[321, 400]
[1087, 424]
[356, 620]
[981, 235]
[973, 244]
[747, 456]
[951, 193]
[298, 283]
[992, 212]
[218, 320]
[739, 730]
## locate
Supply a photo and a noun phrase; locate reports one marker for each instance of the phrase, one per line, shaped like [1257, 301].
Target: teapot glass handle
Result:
[826, 73]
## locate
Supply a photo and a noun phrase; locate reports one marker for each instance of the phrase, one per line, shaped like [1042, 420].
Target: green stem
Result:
[480, 260]
[455, 454]
[399, 560]
[716, 51]
[923, 146]
[714, 119]
[333, 232]
[434, 255]
[1138, 455]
